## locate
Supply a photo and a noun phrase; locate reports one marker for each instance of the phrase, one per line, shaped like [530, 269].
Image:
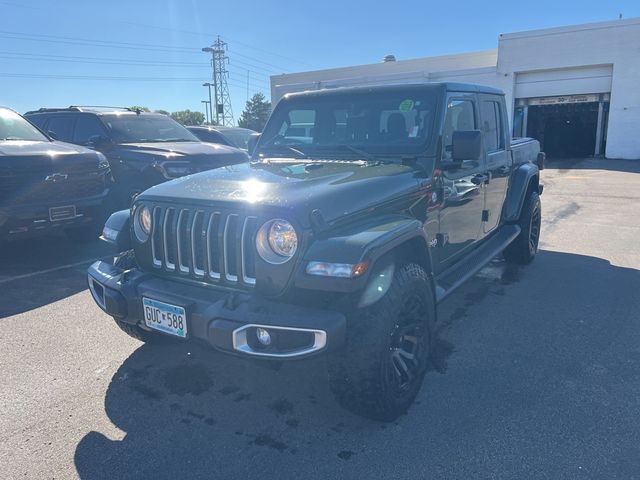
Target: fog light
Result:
[263, 336]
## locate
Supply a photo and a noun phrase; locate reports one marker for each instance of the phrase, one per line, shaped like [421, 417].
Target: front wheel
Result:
[380, 371]
[525, 246]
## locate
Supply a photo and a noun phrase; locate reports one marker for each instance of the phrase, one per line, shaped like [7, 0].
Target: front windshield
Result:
[239, 137]
[14, 127]
[129, 128]
[387, 123]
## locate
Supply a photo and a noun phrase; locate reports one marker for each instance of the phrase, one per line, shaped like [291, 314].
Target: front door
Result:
[460, 216]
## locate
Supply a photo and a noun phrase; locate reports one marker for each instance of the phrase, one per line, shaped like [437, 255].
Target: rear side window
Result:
[460, 116]
[87, 126]
[211, 136]
[37, 120]
[492, 126]
[62, 127]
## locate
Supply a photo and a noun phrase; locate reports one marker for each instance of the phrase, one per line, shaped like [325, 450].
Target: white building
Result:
[576, 88]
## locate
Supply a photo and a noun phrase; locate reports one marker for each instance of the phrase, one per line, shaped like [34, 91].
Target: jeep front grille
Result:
[209, 246]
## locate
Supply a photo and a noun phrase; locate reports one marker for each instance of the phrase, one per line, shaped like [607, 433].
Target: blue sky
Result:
[147, 52]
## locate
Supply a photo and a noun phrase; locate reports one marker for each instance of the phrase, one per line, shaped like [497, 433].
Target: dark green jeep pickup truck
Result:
[338, 238]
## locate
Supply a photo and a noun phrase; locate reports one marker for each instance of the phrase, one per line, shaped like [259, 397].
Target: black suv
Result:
[47, 185]
[144, 149]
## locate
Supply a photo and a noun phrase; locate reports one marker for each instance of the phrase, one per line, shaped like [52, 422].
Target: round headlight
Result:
[142, 224]
[277, 241]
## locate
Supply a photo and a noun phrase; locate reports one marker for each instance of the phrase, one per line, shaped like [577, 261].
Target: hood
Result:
[182, 151]
[335, 189]
[46, 157]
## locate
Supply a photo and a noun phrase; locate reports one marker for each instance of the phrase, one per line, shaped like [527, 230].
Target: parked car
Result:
[46, 185]
[344, 245]
[230, 136]
[144, 149]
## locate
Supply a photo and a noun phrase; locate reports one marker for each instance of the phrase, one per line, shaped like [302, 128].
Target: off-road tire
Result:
[126, 261]
[525, 246]
[364, 374]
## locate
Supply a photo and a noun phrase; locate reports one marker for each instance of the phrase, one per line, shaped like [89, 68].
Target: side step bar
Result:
[449, 280]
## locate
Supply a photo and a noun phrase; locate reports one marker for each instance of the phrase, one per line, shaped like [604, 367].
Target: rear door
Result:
[498, 159]
[61, 126]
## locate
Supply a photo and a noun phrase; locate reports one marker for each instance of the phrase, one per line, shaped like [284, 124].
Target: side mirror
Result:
[98, 141]
[467, 145]
[252, 142]
[52, 134]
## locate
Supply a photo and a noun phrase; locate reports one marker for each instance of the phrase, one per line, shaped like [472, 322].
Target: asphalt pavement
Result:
[536, 372]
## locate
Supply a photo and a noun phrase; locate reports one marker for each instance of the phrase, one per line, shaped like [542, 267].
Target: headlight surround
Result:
[277, 241]
[142, 223]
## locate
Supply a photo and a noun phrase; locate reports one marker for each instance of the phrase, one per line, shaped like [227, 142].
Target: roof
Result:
[447, 86]
[97, 109]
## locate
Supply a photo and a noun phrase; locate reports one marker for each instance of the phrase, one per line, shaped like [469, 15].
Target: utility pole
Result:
[208, 84]
[206, 109]
[222, 100]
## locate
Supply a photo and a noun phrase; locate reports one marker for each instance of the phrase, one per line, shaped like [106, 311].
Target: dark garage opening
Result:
[567, 130]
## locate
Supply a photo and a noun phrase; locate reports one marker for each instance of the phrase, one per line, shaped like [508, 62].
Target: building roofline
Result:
[571, 28]
[490, 51]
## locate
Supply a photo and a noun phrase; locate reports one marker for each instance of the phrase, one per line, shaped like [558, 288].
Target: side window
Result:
[37, 120]
[87, 126]
[61, 126]
[492, 126]
[299, 128]
[460, 116]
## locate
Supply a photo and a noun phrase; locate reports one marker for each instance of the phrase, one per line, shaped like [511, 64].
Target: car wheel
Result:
[525, 246]
[381, 368]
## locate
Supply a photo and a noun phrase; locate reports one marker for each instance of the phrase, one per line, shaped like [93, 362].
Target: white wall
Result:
[614, 43]
[556, 61]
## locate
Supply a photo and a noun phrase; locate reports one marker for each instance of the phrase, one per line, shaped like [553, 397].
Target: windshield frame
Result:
[39, 136]
[432, 93]
[119, 138]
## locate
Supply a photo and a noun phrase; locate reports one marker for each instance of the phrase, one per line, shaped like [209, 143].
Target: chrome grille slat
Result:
[168, 264]
[243, 238]
[194, 247]
[213, 273]
[179, 246]
[205, 245]
[157, 261]
[225, 249]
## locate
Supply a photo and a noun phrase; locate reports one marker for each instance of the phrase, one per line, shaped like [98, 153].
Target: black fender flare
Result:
[521, 179]
[117, 231]
[363, 242]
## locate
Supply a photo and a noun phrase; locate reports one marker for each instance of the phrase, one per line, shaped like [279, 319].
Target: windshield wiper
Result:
[364, 154]
[299, 153]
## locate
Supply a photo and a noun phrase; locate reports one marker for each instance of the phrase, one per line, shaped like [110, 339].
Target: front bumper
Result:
[225, 320]
[32, 219]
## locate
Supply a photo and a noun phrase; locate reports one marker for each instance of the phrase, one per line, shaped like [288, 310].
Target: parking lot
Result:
[536, 373]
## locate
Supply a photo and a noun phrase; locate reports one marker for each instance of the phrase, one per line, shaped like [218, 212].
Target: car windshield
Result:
[14, 127]
[239, 137]
[130, 128]
[387, 123]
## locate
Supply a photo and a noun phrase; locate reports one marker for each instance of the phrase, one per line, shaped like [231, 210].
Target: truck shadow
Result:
[187, 411]
[38, 271]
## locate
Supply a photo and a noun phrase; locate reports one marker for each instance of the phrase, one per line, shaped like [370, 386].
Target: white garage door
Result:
[566, 81]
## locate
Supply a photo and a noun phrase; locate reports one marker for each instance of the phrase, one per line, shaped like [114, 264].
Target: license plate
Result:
[165, 317]
[62, 213]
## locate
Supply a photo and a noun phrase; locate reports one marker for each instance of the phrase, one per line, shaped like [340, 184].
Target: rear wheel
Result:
[524, 248]
[381, 369]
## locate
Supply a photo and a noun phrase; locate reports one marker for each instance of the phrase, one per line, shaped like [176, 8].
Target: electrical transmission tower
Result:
[222, 102]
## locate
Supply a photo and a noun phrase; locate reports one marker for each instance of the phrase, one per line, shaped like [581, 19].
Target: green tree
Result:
[163, 112]
[256, 112]
[142, 109]
[187, 117]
